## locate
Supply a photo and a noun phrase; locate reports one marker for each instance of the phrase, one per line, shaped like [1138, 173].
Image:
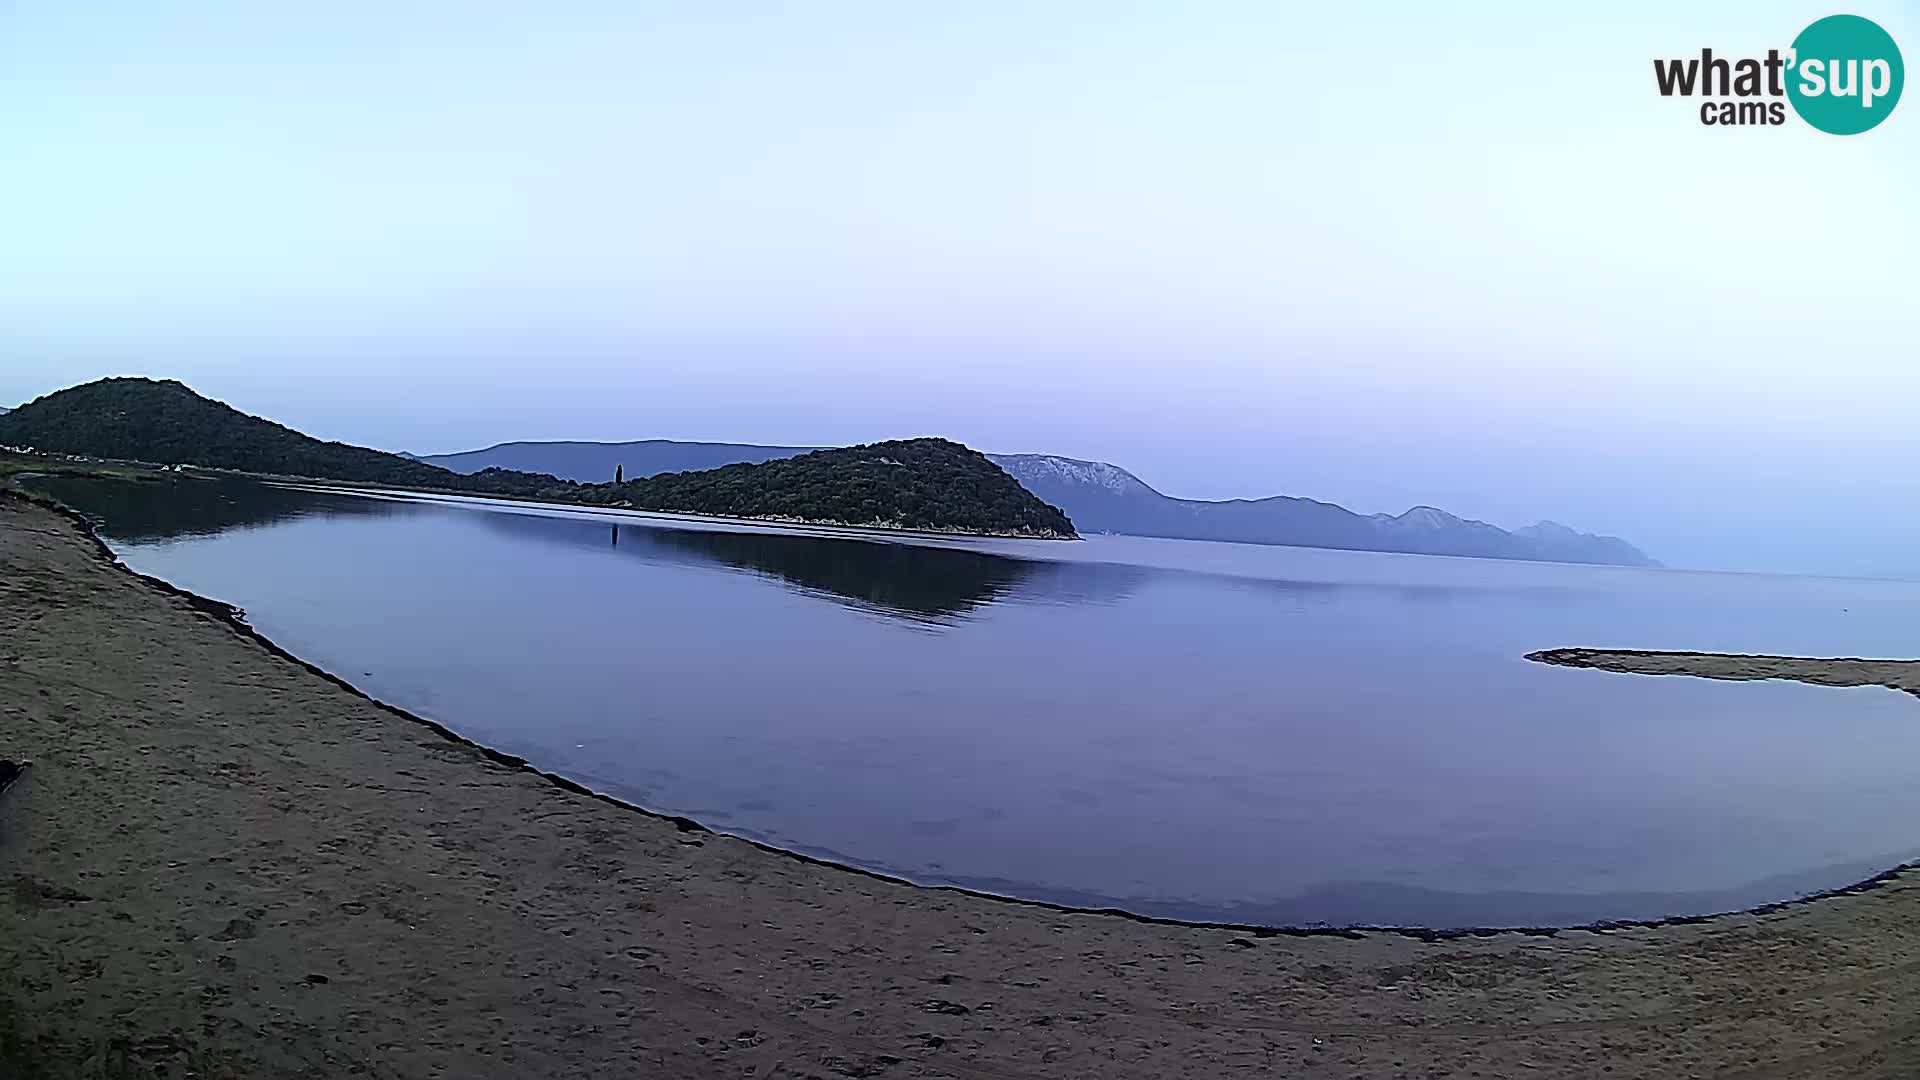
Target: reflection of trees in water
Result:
[927, 582]
[907, 579]
[918, 581]
[147, 510]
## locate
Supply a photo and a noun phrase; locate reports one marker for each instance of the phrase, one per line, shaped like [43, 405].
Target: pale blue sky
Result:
[1387, 256]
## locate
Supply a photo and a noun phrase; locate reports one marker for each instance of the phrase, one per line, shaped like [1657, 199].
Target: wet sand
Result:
[1739, 667]
[226, 864]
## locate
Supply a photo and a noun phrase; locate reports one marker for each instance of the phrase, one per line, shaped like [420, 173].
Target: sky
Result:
[1380, 256]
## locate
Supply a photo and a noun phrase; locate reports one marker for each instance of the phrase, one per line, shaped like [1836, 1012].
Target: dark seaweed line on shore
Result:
[235, 619]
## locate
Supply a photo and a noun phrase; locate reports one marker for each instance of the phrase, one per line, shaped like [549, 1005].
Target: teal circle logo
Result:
[1846, 74]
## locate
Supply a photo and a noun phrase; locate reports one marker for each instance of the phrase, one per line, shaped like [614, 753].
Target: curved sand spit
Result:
[225, 864]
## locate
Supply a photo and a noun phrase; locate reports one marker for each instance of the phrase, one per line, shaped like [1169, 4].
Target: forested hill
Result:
[165, 423]
[930, 484]
[916, 484]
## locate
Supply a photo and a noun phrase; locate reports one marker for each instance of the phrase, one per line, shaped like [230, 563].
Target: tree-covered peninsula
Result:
[928, 484]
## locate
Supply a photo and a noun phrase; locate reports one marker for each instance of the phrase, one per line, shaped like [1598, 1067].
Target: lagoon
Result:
[1183, 729]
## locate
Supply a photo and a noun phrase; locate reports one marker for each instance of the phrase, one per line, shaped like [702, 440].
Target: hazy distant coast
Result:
[925, 484]
[342, 887]
[1102, 497]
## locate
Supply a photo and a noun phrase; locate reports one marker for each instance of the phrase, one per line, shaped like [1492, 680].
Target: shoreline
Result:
[784, 524]
[1599, 659]
[179, 764]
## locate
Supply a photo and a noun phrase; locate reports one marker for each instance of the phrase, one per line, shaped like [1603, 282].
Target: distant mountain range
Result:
[593, 463]
[1101, 497]
[1106, 498]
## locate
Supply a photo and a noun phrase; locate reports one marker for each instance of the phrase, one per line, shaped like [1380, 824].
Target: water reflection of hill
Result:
[145, 511]
[917, 581]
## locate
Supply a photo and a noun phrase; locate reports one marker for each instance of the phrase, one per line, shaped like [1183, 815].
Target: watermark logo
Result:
[1849, 74]
[1843, 75]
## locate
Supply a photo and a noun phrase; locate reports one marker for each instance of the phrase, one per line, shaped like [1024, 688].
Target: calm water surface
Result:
[1196, 730]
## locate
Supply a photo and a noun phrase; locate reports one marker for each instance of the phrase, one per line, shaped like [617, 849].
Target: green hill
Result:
[165, 423]
[929, 484]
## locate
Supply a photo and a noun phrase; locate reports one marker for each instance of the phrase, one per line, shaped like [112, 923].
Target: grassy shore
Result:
[13, 465]
[228, 864]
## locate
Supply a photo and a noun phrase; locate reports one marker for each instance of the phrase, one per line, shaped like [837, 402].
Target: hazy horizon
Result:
[1470, 259]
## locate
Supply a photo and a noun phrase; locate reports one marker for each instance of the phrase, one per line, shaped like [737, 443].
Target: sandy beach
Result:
[224, 863]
